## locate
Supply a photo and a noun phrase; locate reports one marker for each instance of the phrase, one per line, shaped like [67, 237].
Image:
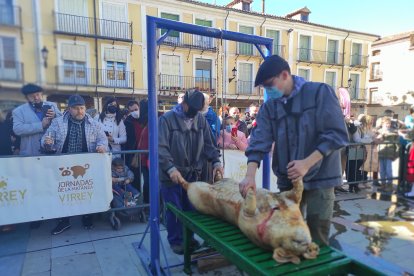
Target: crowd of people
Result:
[312, 136]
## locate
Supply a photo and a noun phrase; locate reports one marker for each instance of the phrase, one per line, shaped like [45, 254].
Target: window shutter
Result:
[113, 11]
[120, 55]
[73, 52]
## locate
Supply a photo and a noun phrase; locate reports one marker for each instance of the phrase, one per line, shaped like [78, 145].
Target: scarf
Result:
[75, 135]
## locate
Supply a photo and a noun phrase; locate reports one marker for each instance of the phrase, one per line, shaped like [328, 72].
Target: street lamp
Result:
[234, 71]
[45, 53]
[349, 82]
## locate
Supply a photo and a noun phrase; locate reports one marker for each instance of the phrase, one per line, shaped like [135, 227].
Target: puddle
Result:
[382, 228]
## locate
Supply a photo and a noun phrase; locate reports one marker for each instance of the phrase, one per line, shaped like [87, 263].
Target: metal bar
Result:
[153, 139]
[163, 37]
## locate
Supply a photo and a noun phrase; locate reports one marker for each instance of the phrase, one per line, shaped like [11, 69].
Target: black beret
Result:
[271, 67]
[75, 100]
[194, 99]
[31, 88]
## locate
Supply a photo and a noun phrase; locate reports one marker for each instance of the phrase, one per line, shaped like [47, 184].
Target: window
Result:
[246, 48]
[356, 57]
[376, 53]
[304, 48]
[304, 17]
[330, 78]
[6, 12]
[203, 41]
[304, 73]
[74, 69]
[246, 6]
[245, 82]
[173, 36]
[376, 73]
[275, 35]
[354, 89]
[332, 54]
[203, 74]
[72, 16]
[113, 17]
[115, 73]
[9, 67]
[170, 72]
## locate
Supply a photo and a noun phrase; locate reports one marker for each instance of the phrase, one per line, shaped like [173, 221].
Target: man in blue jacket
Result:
[305, 121]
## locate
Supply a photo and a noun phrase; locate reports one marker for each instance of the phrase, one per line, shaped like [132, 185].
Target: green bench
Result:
[229, 241]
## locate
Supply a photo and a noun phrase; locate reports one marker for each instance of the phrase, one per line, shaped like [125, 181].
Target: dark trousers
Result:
[353, 172]
[177, 196]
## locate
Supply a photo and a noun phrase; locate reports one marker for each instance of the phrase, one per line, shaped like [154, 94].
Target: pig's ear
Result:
[312, 252]
[280, 255]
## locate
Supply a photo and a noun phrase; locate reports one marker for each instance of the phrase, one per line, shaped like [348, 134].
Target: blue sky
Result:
[381, 17]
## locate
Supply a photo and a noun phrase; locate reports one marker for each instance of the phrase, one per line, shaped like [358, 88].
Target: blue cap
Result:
[75, 100]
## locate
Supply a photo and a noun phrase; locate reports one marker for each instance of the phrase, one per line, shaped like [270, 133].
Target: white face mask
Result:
[357, 123]
[135, 114]
[109, 115]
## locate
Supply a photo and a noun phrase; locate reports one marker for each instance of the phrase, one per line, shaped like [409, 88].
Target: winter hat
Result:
[194, 99]
[31, 88]
[271, 67]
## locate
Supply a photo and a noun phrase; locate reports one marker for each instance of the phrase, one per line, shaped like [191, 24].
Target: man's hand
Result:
[218, 169]
[110, 138]
[297, 169]
[247, 183]
[46, 122]
[100, 149]
[176, 176]
[50, 114]
[127, 181]
[48, 141]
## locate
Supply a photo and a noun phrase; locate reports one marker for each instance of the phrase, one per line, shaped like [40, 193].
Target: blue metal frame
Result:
[154, 23]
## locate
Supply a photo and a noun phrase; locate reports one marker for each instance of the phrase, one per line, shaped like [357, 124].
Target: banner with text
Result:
[45, 187]
[236, 167]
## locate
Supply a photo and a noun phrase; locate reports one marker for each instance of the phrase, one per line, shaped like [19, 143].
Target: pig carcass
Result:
[272, 221]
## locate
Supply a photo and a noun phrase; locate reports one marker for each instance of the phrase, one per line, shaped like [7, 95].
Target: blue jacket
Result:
[309, 119]
[214, 122]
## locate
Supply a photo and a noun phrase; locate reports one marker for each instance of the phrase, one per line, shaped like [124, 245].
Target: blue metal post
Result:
[266, 159]
[153, 141]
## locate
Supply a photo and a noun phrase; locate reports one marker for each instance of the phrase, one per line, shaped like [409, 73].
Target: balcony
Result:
[190, 41]
[359, 61]
[246, 88]
[319, 57]
[11, 70]
[357, 94]
[173, 83]
[376, 75]
[82, 76]
[68, 24]
[10, 16]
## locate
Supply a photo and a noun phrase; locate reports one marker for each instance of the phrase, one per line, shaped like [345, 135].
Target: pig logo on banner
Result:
[75, 171]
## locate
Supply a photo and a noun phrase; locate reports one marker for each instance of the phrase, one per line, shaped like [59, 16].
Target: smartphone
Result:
[45, 108]
[234, 132]
[106, 133]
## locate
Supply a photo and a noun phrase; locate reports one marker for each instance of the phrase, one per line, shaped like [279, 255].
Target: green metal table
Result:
[229, 241]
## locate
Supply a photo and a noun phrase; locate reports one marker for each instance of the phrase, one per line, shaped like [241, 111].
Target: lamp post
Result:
[234, 71]
[45, 53]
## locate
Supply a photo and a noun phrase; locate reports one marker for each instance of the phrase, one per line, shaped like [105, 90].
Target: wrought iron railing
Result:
[11, 70]
[83, 76]
[359, 61]
[181, 83]
[357, 94]
[376, 74]
[246, 88]
[322, 57]
[10, 15]
[183, 40]
[85, 26]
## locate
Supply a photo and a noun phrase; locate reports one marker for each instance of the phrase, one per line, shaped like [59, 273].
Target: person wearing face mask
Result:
[242, 126]
[113, 125]
[231, 138]
[30, 120]
[305, 121]
[211, 117]
[251, 123]
[185, 144]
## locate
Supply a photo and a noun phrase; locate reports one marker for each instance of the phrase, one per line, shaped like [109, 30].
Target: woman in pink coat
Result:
[230, 137]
